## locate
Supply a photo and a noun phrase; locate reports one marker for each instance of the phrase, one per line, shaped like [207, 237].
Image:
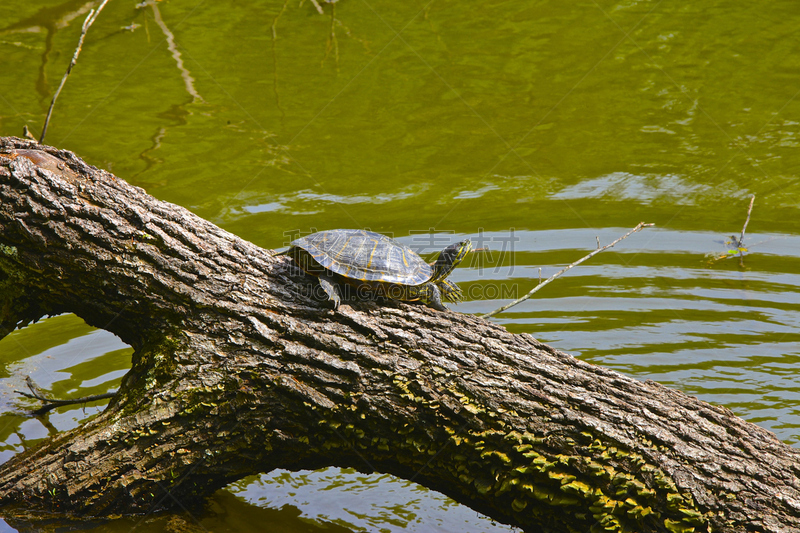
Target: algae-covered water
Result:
[534, 128]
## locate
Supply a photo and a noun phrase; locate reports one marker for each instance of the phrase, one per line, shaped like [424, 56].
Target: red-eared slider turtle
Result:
[377, 265]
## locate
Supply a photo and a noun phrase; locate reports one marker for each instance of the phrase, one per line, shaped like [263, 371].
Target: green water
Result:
[534, 128]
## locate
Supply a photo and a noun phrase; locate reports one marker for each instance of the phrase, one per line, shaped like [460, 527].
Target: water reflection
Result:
[375, 502]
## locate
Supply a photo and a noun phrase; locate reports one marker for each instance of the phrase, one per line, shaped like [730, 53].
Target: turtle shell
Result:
[366, 256]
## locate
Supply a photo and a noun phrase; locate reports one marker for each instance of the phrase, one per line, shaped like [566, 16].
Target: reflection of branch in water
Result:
[176, 112]
[275, 61]
[275, 21]
[177, 115]
[20, 45]
[49, 19]
[350, 35]
[149, 160]
[437, 33]
[319, 8]
[332, 42]
[188, 81]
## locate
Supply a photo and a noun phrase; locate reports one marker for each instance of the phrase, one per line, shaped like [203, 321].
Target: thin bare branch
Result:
[90, 18]
[737, 243]
[560, 272]
[27, 133]
[749, 210]
[52, 403]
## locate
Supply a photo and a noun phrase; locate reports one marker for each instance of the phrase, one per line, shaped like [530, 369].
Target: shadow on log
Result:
[237, 370]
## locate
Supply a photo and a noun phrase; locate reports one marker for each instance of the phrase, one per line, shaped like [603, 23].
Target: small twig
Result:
[749, 210]
[27, 133]
[557, 274]
[738, 243]
[90, 18]
[52, 403]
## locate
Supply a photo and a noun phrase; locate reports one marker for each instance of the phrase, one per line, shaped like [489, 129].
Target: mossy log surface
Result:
[239, 369]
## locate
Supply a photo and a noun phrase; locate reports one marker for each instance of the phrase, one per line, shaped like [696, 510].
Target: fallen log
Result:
[238, 368]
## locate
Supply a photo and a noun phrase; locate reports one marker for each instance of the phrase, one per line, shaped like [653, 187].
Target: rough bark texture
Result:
[238, 369]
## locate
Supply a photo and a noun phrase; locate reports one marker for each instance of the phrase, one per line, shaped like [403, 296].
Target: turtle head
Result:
[449, 258]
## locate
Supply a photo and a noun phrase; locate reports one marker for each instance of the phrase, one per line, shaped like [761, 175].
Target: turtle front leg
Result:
[449, 291]
[433, 297]
[331, 288]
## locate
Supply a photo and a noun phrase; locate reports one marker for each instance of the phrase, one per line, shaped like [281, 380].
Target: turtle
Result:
[377, 265]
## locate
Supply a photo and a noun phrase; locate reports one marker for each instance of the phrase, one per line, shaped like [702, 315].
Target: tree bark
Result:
[238, 368]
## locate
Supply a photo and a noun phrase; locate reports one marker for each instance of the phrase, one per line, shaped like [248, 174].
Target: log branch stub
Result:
[238, 369]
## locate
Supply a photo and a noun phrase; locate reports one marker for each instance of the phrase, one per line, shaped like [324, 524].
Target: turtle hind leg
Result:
[331, 289]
